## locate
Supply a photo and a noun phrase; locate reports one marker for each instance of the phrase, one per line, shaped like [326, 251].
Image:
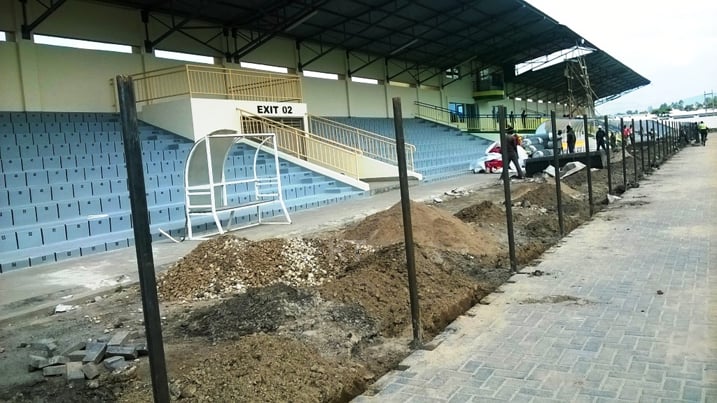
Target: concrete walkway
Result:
[627, 310]
[42, 288]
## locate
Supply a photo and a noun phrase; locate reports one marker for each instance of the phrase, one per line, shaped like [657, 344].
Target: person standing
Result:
[512, 142]
[702, 128]
[512, 118]
[524, 118]
[571, 139]
[601, 137]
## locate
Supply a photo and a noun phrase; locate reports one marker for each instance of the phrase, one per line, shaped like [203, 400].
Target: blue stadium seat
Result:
[29, 164]
[75, 174]
[40, 257]
[176, 194]
[6, 127]
[169, 155]
[90, 207]
[92, 249]
[41, 137]
[15, 180]
[119, 186]
[120, 222]
[150, 182]
[99, 226]
[72, 137]
[45, 150]
[176, 213]
[62, 117]
[46, 212]
[37, 127]
[24, 216]
[95, 127]
[40, 194]
[116, 158]
[11, 165]
[110, 204]
[33, 117]
[57, 137]
[92, 173]
[75, 117]
[21, 127]
[164, 181]
[5, 117]
[7, 139]
[11, 151]
[53, 127]
[51, 162]
[145, 145]
[108, 126]
[82, 190]
[67, 127]
[77, 230]
[161, 196]
[107, 147]
[28, 151]
[179, 166]
[23, 139]
[62, 192]
[178, 178]
[98, 158]
[5, 217]
[93, 148]
[101, 188]
[77, 149]
[47, 117]
[115, 136]
[36, 178]
[29, 238]
[18, 117]
[54, 234]
[8, 241]
[89, 117]
[167, 167]
[68, 161]
[57, 176]
[158, 215]
[61, 150]
[81, 127]
[109, 171]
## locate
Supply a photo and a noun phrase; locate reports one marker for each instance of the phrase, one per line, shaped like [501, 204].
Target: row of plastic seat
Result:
[51, 127]
[32, 117]
[83, 149]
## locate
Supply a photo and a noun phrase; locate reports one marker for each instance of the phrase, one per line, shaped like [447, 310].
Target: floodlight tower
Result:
[576, 73]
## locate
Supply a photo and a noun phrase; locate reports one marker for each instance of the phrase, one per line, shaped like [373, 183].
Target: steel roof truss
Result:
[27, 28]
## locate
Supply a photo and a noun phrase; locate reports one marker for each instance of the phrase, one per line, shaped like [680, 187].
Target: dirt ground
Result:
[312, 319]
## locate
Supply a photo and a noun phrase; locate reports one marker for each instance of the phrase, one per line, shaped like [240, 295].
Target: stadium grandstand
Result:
[320, 75]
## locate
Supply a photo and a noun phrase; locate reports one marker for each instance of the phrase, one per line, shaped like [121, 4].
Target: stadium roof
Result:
[440, 34]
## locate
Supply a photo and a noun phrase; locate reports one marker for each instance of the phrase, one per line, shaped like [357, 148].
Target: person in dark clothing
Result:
[524, 118]
[613, 141]
[511, 117]
[600, 137]
[571, 139]
[512, 143]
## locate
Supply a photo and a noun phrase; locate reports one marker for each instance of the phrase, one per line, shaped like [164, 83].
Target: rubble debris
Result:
[91, 370]
[95, 352]
[118, 338]
[61, 308]
[55, 370]
[128, 353]
[74, 371]
[659, 292]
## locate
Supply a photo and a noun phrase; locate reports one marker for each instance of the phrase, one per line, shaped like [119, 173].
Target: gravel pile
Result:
[227, 265]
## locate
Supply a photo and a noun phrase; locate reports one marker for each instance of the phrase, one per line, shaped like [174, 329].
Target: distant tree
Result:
[663, 109]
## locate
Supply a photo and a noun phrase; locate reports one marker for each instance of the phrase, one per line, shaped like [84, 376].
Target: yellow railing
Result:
[371, 144]
[216, 82]
[440, 115]
[306, 146]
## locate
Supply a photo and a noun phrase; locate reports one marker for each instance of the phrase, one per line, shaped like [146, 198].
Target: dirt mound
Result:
[226, 265]
[379, 284]
[545, 196]
[432, 227]
[484, 211]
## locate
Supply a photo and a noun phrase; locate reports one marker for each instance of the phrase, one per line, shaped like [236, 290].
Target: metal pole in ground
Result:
[556, 164]
[506, 189]
[624, 167]
[656, 146]
[588, 165]
[649, 146]
[609, 151]
[407, 227]
[642, 150]
[142, 238]
[634, 151]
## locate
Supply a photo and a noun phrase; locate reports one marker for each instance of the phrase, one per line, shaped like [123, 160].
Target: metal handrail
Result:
[216, 82]
[371, 144]
[304, 145]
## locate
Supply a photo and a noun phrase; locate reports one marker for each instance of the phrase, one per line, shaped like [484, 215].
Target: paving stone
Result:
[118, 338]
[95, 352]
[55, 370]
[38, 362]
[80, 345]
[77, 356]
[91, 370]
[128, 353]
[58, 360]
[74, 371]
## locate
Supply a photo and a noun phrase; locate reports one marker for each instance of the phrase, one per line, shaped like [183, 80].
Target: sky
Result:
[672, 44]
